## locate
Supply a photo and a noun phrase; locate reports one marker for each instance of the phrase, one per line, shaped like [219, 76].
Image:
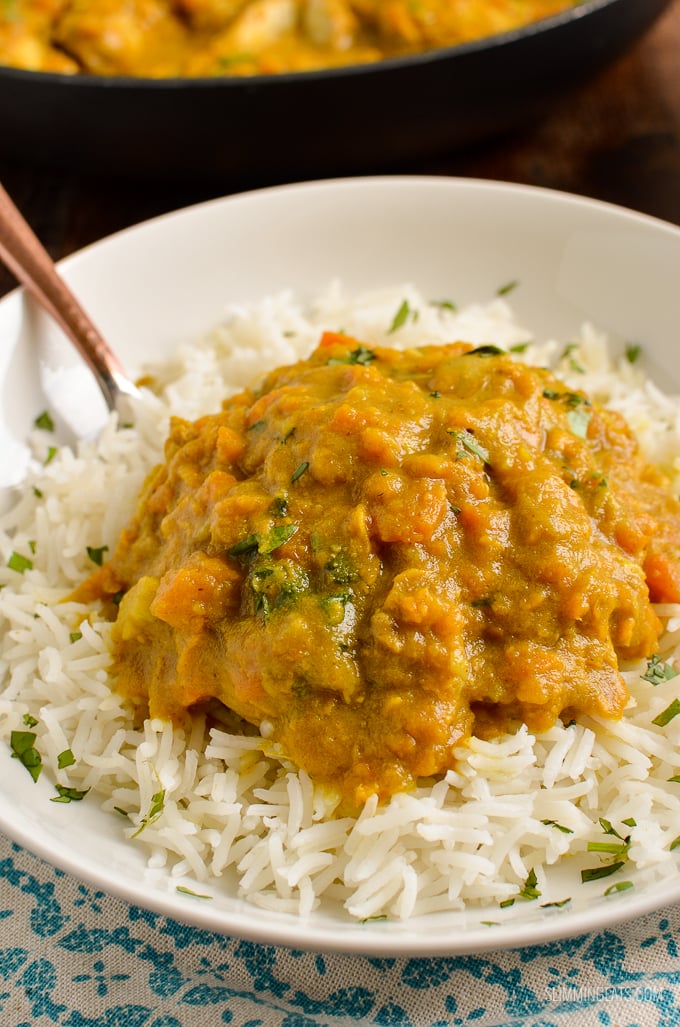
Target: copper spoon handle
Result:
[30, 263]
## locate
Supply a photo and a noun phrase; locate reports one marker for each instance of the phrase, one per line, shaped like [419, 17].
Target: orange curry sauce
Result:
[380, 552]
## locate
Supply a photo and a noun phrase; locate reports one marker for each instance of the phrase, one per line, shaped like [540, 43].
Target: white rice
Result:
[224, 811]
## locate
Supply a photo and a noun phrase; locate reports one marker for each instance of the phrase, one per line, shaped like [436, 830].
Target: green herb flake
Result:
[245, 547]
[508, 287]
[612, 848]
[23, 749]
[257, 426]
[299, 471]
[490, 923]
[75, 636]
[529, 889]
[279, 506]
[579, 419]
[28, 720]
[276, 537]
[567, 354]
[630, 822]
[485, 351]
[558, 827]
[123, 812]
[597, 873]
[528, 892]
[633, 352]
[37, 492]
[97, 554]
[674, 780]
[400, 318]
[520, 347]
[551, 394]
[555, 905]
[51, 453]
[69, 794]
[619, 886]
[486, 601]
[44, 421]
[657, 671]
[19, 563]
[469, 444]
[443, 304]
[65, 759]
[674, 844]
[361, 355]
[194, 894]
[667, 715]
[155, 810]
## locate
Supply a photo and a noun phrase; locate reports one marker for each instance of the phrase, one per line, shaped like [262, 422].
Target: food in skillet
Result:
[378, 553]
[161, 38]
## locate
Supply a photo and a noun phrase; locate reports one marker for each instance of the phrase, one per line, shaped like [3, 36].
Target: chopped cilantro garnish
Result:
[75, 636]
[596, 873]
[19, 563]
[155, 810]
[619, 886]
[65, 759]
[558, 827]
[279, 506]
[97, 554]
[555, 905]
[51, 453]
[28, 720]
[469, 445]
[443, 304]
[667, 715]
[579, 420]
[633, 351]
[658, 671]
[44, 421]
[527, 892]
[361, 355]
[69, 794]
[508, 287]
[400, 318]
[299, 471]
[23, 749]
[485, 351]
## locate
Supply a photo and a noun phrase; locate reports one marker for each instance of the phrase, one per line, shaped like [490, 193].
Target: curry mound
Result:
[380, 552]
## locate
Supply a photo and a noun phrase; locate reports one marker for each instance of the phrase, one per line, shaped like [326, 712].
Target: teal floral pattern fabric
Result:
[74, 956]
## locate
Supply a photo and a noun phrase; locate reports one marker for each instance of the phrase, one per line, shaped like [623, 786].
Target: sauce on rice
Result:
[379, 553]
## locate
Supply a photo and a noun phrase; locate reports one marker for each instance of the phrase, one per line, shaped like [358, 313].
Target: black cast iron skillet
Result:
[343, 120]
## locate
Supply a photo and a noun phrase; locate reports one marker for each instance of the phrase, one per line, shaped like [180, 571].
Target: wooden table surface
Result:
[616, 138]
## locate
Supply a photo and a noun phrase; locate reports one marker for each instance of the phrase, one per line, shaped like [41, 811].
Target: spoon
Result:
[30, 263]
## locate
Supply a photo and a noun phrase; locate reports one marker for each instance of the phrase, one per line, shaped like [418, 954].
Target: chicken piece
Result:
[330, 23]
[133, 37]
[209, 14]
[25, 36]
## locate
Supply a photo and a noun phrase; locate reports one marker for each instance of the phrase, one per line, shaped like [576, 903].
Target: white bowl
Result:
[155, 285]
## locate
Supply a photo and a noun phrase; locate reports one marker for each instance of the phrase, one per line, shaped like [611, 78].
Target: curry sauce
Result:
[379, 552]
[199, 38]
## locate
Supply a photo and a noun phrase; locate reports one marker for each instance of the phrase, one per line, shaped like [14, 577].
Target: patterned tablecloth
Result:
[73, 956]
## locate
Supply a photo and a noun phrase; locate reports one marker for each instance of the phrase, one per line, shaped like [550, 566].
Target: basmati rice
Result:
[227, 808]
